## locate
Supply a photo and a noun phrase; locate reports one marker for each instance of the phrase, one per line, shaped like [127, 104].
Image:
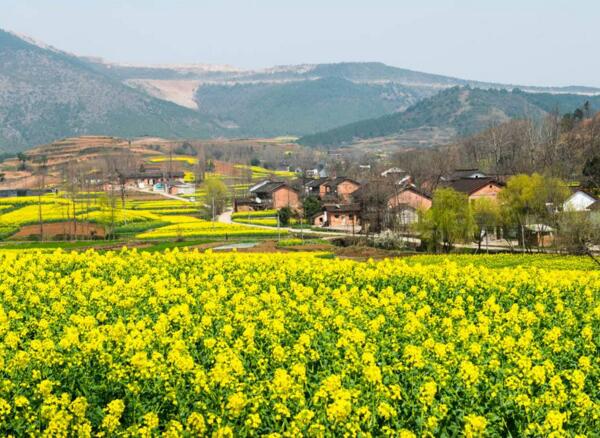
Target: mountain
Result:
[298, 99]
[46, 94]
[300, 107]
[463, 110]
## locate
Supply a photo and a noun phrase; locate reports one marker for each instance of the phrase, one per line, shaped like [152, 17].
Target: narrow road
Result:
[225, 217]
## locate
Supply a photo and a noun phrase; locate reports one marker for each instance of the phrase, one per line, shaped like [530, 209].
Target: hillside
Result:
[298, 99]
[463, 110]
[297, 108]
[46, 94]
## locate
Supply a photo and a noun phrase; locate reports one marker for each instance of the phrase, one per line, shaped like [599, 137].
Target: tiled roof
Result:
[316, 182]
[390, 190]
[465, 173]
[334, 182]
[471, 185]
[341, 208]
[268, 187]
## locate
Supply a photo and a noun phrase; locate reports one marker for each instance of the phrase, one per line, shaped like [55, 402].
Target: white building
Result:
[579, 201]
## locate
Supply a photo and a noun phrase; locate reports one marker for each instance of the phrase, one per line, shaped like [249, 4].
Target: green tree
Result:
[449, 220]
[529, 199]
[284, 214]
[22, 159]
[216, 196]
[578, 233]
[311, 206]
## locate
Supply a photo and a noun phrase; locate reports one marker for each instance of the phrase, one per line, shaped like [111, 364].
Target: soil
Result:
[61, 229]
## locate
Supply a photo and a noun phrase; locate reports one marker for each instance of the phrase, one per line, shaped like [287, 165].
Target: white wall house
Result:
[578, 201]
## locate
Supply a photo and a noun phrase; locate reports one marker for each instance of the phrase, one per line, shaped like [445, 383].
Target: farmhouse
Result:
[409, 195]
[467, 174]
[313, 186]
[149, 179]
[333, 190]
[579, 201]
[182, 189]
[269, 194]
[400, 202]
[477, 188]
[341, 216]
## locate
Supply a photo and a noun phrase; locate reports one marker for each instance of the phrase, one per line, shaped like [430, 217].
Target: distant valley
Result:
[47, 94]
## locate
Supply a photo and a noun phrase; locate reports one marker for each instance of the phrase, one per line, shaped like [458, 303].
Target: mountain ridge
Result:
[465, 110]
[48, 94]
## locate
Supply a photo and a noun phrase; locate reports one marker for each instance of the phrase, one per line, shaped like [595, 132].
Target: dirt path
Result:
[225, 217]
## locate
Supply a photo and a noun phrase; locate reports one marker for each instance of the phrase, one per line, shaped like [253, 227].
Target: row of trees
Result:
[528, 203]
[559, 146]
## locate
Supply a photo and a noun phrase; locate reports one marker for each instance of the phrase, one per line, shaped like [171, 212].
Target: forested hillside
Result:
[46, 94]
[465, 110]
[297, 108]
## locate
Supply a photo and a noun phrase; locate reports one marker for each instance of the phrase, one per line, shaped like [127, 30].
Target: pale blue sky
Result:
[537, 42]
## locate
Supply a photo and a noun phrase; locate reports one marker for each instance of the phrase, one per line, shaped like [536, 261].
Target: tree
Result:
[579, 231]
[254, 162]
[591, 171]
[486, 215]
[448, 221]
[530, 199]
[311, 206]
[284, 214]
[216, 195]
[373, 199]
[22, 159]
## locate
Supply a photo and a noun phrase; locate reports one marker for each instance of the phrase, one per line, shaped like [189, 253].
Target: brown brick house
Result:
[477, 188]
[409, 195]
[332, 189]
[391, 202]
[343, 216]
[267, 195]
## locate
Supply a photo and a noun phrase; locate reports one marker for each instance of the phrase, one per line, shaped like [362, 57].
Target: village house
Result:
[399, 176]
[467, 174]
[268, 195]
[402, 203]
[410, 195]
[579, 201]
[313, 186]
[406, 203]
[339, 216]
[151, 178]
[182, 189]
[332, 190]
[477, 188]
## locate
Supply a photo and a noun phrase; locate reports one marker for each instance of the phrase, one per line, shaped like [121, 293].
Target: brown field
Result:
[54, 229]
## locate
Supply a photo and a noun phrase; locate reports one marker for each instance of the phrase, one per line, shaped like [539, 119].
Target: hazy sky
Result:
[537, 42]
